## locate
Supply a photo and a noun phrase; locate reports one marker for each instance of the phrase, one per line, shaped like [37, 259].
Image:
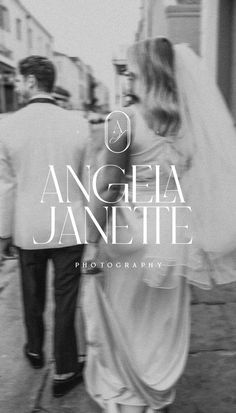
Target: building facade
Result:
[90, 87]
[178, 20]
[82, 82]
[68, 78]
[101, 97]
[209, 27]
[77, 86]
[218, 45]
[20, 35]
[120, 66]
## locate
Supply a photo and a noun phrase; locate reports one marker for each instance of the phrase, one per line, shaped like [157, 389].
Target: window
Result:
[30, 38]
[4, 18]
[18, 29]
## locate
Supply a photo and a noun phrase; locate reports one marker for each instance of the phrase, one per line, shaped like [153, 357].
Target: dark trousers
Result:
[33, 265]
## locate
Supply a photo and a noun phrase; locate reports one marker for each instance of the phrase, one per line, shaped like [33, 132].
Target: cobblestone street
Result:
[208, 385]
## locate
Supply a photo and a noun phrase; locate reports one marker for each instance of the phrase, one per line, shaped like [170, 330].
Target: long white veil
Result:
[210, 133]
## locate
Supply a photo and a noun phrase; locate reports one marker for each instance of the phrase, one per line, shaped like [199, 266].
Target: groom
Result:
[39, 135]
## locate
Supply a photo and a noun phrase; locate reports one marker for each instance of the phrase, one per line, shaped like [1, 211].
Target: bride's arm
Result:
[117, 159]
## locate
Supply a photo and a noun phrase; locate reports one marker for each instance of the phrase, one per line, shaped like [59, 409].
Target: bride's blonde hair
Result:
[154, 60]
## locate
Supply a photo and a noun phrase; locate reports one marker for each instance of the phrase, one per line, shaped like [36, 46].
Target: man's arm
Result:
[6, 198]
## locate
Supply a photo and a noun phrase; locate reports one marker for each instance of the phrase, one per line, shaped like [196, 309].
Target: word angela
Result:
[129, 193]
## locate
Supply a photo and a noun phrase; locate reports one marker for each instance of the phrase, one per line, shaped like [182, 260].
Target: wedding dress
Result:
[138, 314]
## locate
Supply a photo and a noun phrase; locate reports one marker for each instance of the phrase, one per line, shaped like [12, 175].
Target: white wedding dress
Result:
[137, 335]
[137, 318]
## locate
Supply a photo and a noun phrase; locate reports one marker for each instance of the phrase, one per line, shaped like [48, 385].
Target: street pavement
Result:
[208, 385]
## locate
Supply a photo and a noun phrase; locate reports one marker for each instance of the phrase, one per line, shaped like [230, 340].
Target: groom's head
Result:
[36, 74]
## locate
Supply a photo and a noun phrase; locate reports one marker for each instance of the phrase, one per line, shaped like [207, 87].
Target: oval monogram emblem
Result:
[114, 131]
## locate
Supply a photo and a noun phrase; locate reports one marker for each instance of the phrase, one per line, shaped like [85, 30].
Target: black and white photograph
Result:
[117, 206]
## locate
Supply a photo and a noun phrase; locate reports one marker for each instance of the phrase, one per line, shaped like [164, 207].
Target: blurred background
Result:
[87, 41]
[78, 35]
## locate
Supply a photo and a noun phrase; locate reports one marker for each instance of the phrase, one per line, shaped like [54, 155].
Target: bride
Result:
[138, 317]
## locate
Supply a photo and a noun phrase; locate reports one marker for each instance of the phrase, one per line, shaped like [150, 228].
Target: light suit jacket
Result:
[32, 139]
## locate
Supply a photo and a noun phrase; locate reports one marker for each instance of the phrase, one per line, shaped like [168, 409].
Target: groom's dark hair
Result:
[43, 70]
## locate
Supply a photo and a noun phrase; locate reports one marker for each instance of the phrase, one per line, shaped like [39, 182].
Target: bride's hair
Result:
[154, 60]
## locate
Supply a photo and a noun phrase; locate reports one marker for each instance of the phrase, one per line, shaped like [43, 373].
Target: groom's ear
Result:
[31, 81]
